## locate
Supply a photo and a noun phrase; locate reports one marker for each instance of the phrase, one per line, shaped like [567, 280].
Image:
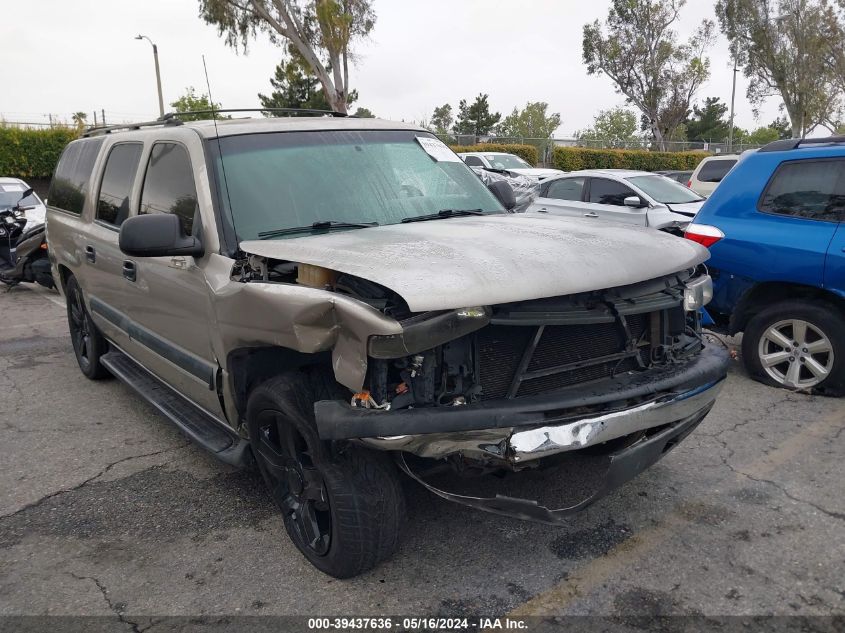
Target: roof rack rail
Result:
[167, 119]
[309, 111]
[795, 143]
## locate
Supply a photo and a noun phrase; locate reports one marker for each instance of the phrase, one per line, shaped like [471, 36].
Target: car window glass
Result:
[119, 174]
[473, 161]
[10, 195]
[169, 184]
[565, 189]
[603, 191]
[715, 170]
[807, 189]
[70, 180]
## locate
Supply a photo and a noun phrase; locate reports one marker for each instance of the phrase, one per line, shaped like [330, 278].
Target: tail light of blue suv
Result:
[704, 234]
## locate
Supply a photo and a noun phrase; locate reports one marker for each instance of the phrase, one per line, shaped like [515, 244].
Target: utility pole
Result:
[733, 100]
[95, 118]
[103, 112]
[158, 74]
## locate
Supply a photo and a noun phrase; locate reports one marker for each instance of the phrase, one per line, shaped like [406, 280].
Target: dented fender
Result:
[307, 320]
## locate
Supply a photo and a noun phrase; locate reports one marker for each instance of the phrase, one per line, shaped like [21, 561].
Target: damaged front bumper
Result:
[514, 431]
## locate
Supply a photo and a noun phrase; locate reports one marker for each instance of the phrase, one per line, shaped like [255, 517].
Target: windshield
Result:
[664, 190]
[506, 161]
[11, 193]
[294, 179]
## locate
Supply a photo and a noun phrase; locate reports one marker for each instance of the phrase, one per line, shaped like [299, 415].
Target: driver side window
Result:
[169, 185]
[603, 191]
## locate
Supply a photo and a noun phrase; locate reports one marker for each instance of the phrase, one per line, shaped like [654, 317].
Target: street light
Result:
[158, 74]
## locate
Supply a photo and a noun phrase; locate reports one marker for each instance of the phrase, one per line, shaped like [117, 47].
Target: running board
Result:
[199, 426]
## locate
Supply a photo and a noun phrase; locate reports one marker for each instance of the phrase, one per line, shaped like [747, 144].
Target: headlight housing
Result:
[698, 293]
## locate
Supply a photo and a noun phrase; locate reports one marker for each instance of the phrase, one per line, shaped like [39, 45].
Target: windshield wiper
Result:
[443, 213]
[319, 225]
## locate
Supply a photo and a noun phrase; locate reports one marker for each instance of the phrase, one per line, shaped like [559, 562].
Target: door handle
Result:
[129, 270]
[591, 215]
[543, 210]
[90, 254]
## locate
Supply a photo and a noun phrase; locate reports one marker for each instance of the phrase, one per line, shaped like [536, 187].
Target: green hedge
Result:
[528, 153]
[575, 158]
[26, 153]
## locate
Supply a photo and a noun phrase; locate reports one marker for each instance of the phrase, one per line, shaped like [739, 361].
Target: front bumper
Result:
[518, 430]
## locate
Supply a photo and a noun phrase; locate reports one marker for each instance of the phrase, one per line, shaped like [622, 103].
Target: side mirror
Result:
[504, 193]
[635, 202]
[157, 235]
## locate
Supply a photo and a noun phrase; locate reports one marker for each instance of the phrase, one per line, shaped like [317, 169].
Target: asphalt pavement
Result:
[106, 510]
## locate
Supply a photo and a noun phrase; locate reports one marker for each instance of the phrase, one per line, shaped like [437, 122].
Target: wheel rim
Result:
[295, 482]
[796, 353]
[80, 328]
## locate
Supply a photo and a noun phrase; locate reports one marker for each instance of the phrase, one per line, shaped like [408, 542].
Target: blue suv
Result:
[775, 227]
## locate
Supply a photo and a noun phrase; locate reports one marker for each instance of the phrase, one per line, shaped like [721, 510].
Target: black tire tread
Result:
[95, 370]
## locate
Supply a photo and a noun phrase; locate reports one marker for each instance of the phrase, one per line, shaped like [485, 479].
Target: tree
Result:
[708, 122]
[617, 126]
[442, 119]
[192, 102]
[531, 122]
[79, 119]
[782, 126]
[322, 32]
[762, 136]
[364, 113]
[476, 119]
[788, 48]
[639, 51]
[295, 86]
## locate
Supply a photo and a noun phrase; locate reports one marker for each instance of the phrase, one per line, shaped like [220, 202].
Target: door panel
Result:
[606, 200]
[167, 298]
[834, 270]
[563, 197]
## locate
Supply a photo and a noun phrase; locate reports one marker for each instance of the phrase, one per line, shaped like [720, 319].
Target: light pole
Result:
[733, 99]
[158, 74]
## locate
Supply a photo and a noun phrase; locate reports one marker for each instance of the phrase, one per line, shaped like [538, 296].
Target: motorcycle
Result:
[23, 250]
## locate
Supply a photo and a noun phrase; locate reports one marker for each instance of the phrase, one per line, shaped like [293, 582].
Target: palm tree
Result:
[80, 119]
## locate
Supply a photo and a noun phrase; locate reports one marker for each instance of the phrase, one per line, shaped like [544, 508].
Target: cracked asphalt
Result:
[106, 510]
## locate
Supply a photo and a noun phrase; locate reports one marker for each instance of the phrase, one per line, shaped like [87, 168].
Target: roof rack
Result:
[309, 111]
[795, 143]
[172, 118]
[167, 119]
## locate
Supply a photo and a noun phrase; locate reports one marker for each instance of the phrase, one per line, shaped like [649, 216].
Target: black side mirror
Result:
[504, 193]
[157, 235]
[27, 193]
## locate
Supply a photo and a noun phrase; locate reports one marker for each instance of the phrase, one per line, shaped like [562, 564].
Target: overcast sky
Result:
[61, 57]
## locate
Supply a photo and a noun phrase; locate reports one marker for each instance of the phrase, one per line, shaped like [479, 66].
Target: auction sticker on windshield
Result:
[438, 150]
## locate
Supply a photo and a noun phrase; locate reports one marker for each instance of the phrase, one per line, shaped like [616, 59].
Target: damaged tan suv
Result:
[338, 300]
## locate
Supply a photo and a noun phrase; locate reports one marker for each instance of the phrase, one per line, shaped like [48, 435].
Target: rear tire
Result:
[797, 345]
[342, 509]
[88, 344]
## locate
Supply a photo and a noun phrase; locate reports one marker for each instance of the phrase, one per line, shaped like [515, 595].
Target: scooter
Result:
[23, 251]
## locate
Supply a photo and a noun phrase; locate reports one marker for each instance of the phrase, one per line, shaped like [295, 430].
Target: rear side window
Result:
[565, 189]
[473, 161]
[813, 189]
[169, 184]
[121, 166]
[604, 191]
[70, 180]
[715, 170]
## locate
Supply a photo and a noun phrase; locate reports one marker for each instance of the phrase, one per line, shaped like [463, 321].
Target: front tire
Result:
[88, 344]
[342, 509]
[797, 345]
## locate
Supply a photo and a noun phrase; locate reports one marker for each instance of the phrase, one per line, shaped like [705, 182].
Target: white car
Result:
[507, 162]
[617, 195]
[710, 172]
[11, 190]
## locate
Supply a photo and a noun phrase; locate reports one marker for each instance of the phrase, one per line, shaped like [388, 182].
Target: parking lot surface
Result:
[105, 509]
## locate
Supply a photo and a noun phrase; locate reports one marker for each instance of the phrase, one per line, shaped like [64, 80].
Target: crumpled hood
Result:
[488, 260]
[538, 172]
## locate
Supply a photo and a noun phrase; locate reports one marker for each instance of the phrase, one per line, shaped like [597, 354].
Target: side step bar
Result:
[200, 427]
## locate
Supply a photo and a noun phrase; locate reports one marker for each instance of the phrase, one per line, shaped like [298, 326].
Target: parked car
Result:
[11, 190]
[525, 188]
[776, 229]
[710, 172]
[682, 177]
[394, 312]
[616, 195]
[507, 162]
